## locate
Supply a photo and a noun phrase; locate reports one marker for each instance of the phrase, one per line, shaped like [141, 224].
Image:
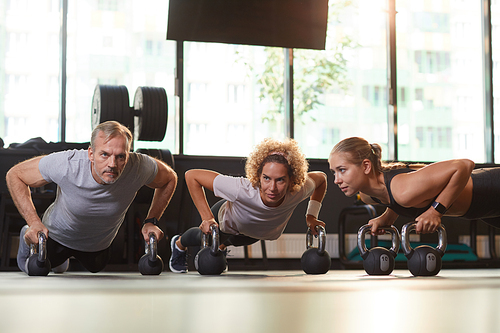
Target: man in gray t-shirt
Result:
[95, 189]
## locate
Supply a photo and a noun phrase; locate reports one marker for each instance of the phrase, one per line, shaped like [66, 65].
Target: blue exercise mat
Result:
[454, 252]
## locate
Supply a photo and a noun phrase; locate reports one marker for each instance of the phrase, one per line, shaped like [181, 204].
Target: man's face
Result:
[108, 159]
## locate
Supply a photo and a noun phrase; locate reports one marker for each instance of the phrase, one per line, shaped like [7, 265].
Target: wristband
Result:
[440, 208]
[313, 208]
[151, 220]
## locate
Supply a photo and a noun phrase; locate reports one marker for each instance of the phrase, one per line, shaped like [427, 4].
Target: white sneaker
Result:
[62, 267]
[23, 252]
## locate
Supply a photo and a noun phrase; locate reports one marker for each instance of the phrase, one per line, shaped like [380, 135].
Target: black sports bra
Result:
[411, 212]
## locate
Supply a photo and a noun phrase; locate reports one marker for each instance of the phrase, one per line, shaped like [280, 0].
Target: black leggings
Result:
[92, 261]
[485, 194]
[192, 237]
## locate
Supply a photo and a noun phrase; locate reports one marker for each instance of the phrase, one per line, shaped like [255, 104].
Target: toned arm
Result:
[19, 180]
[197, 180]
[318, 194]
[443, 182]
[164, 184]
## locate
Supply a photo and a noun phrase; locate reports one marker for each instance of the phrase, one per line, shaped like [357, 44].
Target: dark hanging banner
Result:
[280, 23]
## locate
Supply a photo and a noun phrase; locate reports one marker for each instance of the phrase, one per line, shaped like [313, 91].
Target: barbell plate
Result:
[111, 103]
[150, 104]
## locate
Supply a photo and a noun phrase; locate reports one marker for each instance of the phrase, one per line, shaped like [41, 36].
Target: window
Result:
[28, 104]
[234, 118]
[445, 115]
[341, 91]
[102, 49]
[234, 95]
[495, 19]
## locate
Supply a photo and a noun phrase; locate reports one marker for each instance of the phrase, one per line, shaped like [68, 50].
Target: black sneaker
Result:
[178, 259]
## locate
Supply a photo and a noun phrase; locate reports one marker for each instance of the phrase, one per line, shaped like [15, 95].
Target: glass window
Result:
[439, 65]
[117, 43]
[342, 91]
[495, 32]
[233, 97]
[29, 71]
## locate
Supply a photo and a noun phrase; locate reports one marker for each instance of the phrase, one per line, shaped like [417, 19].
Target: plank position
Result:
[95, 187]
[255, 207]
[424, 193]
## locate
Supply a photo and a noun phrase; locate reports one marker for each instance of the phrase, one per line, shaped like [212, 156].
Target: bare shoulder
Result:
[416, 188]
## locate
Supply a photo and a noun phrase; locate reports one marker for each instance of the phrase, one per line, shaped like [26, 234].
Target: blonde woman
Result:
[254, 207]
[424, 193]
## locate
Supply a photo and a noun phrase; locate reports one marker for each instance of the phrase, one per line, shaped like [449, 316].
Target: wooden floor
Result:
[264, 301]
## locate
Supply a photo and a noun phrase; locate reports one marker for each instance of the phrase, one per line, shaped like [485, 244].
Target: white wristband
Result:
[313, 208]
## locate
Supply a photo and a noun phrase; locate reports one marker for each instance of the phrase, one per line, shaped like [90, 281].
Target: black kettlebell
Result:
[38, 264]
[151, 263]
[316, 260]
[210, 260]
[378, 260]
[424, 260]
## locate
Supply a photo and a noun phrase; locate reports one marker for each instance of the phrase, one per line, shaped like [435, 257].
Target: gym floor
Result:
[256, 301]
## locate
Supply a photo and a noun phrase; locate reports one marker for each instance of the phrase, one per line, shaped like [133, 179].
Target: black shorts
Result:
[485, 204]
[92, 261]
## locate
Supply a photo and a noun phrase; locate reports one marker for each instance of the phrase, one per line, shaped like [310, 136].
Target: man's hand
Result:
[151, 228]
[31, 235]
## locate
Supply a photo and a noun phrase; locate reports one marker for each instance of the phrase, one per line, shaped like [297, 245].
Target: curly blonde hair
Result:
[285, 152]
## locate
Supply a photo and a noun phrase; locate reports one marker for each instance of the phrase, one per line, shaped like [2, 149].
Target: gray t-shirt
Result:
[245, 213]
[86, 215]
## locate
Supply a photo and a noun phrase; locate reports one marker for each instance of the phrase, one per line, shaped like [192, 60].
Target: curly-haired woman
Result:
[255, 207]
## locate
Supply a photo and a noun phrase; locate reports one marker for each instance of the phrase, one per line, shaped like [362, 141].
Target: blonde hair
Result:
[285, 152]
[359, 149]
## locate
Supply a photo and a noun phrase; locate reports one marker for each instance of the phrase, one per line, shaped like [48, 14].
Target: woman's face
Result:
[348, 176]
[274, 183]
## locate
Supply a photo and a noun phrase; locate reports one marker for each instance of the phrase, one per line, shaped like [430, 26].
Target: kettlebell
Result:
[316, 260]
[151, 263]
[38, 264]
[378, 260]
[210, 260]
[424, 260]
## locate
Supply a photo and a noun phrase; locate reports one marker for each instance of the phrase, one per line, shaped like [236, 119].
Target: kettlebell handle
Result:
[152, 247]
[321, 239]
[215, 239]
[411, 226]
[367, 228]
[42, 248]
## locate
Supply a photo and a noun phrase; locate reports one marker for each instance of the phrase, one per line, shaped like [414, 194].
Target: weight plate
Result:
[150, 104]
[111, 103]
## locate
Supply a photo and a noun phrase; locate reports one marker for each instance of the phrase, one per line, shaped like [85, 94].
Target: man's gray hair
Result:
[112, 129]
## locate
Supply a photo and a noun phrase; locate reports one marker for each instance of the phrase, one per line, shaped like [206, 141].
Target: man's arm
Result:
[164, 184]
[19, 179]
